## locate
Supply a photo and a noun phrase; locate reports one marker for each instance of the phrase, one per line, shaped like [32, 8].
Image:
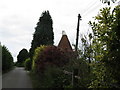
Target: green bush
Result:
[37, 53]
[19, 64]
[27, 64]
[47, 65]
[7, 59]
[53, 77]
[50, 55]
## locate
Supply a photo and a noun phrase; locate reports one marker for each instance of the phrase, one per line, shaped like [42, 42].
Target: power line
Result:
[89, 6]
[94, 7]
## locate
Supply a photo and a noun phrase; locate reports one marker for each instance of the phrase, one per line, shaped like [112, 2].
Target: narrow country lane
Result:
[17, 78]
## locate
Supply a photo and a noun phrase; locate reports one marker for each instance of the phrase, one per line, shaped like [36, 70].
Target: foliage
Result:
[53, 77]
[102, 77]
[82, 63]
[43, 32]
[97, 63]
[27, 64]
[108, 1]
[37, 53]
[7, 59]
[113, 44]
[22, 56]
[106, 42]
[47, 66]
[51, 55]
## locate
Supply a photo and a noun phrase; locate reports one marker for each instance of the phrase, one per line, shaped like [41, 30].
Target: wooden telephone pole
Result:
[77, 35]
[75, 71]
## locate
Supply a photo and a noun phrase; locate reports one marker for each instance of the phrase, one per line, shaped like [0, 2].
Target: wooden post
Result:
[75, 71]
[77, 35]
[72, 79]
[75, 80]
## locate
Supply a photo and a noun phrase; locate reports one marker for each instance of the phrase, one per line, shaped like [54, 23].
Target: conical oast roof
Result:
[64, 43]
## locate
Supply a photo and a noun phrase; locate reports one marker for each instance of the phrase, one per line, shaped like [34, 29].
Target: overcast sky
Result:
[18, 18]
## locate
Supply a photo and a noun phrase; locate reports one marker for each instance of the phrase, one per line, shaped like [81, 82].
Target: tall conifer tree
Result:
[43, 32]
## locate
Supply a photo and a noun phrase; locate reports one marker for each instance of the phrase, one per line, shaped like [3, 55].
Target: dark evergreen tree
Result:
[22, 56]
[43, 32]
[7, 59]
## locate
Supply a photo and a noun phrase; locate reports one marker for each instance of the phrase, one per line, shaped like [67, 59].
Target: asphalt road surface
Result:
[17, 78]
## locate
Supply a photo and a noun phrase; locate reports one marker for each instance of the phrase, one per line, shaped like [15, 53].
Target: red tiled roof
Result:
[65, 44]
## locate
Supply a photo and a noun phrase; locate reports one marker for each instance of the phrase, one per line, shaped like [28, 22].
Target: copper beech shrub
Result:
[51, 55]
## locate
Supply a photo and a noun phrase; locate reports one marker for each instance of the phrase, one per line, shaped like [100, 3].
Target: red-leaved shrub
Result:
[51, 55]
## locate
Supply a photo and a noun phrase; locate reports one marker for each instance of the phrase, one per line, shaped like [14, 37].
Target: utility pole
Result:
[75, 71]
[77, 35]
